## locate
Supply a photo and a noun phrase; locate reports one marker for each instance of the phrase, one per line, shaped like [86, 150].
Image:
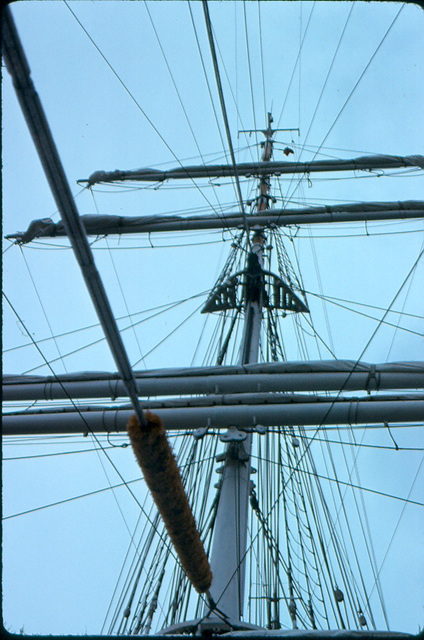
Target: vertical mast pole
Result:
[230, 536]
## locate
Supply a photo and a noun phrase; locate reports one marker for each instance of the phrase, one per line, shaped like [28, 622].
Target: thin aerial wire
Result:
[120, 285]
[158, 344]
[224, 113]
[43, 310]
[165, 307]
[249, 66]
[366, 315]
[356, 486]
[363, 73]
[341, 508]
[131, 95]
[72, 499]
[178, 94]
[322, 90]
[320, 287]
[327, 78]
[207, 80]
[410, 272]
[296, 63]
[363, 304]
[367, 66]
[99, 340]
[398, 523]
[261, 49]
[399, 318]
[234, 96]
[89, 430]
[59, 453]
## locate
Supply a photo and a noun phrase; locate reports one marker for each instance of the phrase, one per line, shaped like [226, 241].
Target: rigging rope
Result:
[224, 112]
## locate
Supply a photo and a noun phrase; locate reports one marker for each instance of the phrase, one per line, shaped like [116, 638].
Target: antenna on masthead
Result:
[262, 202]
[267, 145]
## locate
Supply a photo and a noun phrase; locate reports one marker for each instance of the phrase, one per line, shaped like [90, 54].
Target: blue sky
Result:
[60, 564]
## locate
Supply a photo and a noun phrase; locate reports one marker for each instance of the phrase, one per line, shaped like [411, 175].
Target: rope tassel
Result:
[157, 462]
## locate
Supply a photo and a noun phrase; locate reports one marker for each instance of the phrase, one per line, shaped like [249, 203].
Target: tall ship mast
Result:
[252, 504]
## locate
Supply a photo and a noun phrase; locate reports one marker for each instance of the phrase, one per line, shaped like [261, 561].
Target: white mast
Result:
[229, 545]
[230, 535]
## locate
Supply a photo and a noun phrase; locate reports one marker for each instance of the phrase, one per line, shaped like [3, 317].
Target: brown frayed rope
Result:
[161, 473]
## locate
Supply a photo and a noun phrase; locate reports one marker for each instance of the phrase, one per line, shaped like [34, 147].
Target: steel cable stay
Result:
[158, 344]
[376, 582]
[398, 327]
[365, 601]
[224, 113]
[296, 63]
[274, 549]
[130, 326]
[300, 180]
[57, 453]
[151, 574]
[119, 284]
[368, 540]
[330, 68]
[199, 341]
[89, 430]
[195, 463]
[43, 310]
[322, 90]
[249, 146]
[306, 452]
[307, 523]
[207, 79]
[154, 573]
[355, 486]
[327, 562]
[262, 57]
[318, 337]
[343, 509]
[120, 575]
[249, 67]
[363, 73]
[65, 500]
[139, 106]
[365, 529]
[137, 567]
[180, 101]
[301, 509]
[363, 304]
[131, 535]
[320, 288]
[291, 604]
[366, 315]
[322, 565]
[160, 565]
[328, 587]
